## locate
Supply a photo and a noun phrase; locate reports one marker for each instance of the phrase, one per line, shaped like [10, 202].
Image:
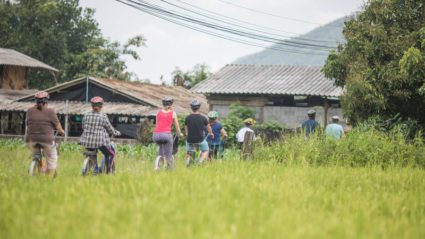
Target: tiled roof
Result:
[79, 108]
[14, 58]
[144, 93]
[269, 80]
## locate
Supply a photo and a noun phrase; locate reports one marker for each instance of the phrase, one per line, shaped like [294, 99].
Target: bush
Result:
[234, 120]
[359, 149]
[270, 131]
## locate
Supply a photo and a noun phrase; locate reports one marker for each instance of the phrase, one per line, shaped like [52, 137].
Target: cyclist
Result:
[162, 132]
[194, 126]
[215, 143]
[240, 136]
[41, 122]
[96, 131]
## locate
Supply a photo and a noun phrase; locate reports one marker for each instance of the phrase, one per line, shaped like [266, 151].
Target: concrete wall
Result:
[291, 117]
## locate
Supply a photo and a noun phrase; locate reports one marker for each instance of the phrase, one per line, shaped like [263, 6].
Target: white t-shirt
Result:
[241, 134]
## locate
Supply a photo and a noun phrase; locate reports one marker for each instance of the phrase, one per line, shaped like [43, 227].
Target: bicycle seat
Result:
[37, 145]
[90, 152]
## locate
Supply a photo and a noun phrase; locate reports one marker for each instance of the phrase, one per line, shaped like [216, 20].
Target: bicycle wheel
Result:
[88, 166]
[159, 162]
[35, 168]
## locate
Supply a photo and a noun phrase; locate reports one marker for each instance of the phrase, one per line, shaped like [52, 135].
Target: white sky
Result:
[170, 45]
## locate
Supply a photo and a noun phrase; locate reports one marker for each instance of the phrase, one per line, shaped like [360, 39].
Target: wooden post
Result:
[248, 146]
[66, 121]
[325, 122]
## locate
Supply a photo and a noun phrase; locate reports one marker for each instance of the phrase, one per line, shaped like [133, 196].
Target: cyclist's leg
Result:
[204, 150]
[168, 151]
[51, 155]
[188, 150]
[108, 157]
[214, 149]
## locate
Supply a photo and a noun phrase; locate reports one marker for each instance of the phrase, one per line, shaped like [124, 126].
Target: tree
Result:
[65, 36]
[190, 78]
[382, 63]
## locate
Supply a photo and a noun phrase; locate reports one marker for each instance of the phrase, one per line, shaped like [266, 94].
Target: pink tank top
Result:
[163, 122]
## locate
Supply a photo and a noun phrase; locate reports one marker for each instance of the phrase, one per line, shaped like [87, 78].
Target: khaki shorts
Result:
[49, 153]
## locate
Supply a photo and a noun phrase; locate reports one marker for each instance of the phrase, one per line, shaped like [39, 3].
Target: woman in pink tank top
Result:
[162, 132]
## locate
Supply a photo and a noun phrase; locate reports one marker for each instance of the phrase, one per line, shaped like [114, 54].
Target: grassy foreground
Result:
[223, 199]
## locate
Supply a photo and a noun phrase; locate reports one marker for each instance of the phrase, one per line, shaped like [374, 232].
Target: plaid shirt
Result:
[96, 130]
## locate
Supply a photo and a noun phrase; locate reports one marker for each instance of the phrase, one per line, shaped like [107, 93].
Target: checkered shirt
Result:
[96, 130]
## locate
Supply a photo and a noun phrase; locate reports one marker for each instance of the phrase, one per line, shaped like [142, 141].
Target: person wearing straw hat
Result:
[334, 130]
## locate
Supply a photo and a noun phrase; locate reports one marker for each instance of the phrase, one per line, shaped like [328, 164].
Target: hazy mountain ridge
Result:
[329, 32]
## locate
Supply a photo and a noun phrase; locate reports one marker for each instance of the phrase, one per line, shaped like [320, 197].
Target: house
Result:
[277, 92]
[127, 104]
[14, 68]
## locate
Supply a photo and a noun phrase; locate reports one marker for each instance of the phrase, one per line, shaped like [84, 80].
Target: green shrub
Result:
[360, 148]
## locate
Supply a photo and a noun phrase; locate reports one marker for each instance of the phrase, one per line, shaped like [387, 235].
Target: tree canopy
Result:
[65, 36]
[192, 77]
[382, 64]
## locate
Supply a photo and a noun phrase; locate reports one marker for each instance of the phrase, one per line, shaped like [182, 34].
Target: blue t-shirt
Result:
[310, 126]
[334, 131]
[216, 129]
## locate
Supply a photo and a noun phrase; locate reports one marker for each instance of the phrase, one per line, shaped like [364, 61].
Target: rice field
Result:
[230, 198]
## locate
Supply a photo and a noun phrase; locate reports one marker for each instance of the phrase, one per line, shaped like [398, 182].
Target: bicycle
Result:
[160, 160]
[194, 151]
[90, 162]
[36, 165]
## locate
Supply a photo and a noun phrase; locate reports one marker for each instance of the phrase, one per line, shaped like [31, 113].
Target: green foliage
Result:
[269, 131]
[233, 122]
[370, 148]
[227, 198]
[190, 78]
[65, 36]
[382, 64]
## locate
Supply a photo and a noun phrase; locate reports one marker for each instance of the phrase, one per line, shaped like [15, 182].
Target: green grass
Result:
[223, 199]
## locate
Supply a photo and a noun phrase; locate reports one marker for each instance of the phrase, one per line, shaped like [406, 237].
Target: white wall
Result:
[291, 117]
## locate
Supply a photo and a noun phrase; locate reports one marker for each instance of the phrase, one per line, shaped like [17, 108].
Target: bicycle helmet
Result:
[167, 101]
[41, 97]
[213, 114]
[96, 101]
[195, 105]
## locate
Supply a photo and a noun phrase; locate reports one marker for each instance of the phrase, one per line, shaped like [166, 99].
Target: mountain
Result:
[329, 34]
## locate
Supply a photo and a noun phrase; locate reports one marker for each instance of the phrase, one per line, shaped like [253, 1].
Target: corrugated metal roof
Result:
[145, 93]
[14, 58]
[79, 108]
[269, 80]
[153, 94]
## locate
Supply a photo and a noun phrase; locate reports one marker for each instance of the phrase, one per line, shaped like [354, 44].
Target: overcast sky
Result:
[170, 45]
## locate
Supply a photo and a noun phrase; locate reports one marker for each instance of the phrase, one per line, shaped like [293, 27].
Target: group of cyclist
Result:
[42, 121]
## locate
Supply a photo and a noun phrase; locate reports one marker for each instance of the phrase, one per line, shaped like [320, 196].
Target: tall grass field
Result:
[365, 186]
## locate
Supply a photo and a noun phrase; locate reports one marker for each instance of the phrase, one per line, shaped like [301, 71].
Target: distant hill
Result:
[331, 32]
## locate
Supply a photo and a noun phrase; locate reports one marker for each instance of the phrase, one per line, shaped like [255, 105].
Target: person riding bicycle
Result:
[96, 131]
[162, 132]
[41, 122]
[215, 143]
[194, 126]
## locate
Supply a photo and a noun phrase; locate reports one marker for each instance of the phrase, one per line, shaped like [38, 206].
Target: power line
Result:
[272, 15]
[253, 24]
[220, 35]
[246, 28]
[168, 15]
